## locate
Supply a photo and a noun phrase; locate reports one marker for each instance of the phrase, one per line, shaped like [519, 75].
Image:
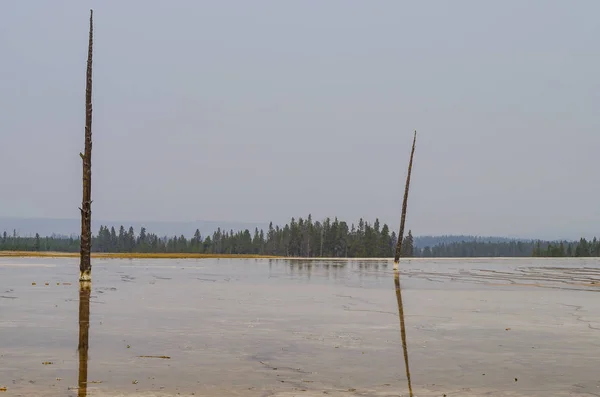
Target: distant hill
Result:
[26, 227]
[431, 241]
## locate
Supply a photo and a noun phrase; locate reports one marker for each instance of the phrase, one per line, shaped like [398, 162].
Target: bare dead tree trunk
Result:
[84, 328]
[402, 328]
[85, 265]
[404, 204]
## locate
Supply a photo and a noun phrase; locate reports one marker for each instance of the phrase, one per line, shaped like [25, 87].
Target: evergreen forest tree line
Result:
[301, 238]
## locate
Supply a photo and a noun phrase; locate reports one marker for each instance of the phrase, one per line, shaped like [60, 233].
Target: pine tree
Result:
[36, 245]
[407, 246]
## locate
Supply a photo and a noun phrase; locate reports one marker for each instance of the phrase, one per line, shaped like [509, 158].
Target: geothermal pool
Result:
[260, 327]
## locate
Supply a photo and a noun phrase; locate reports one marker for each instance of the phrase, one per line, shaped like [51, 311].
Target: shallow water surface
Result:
[248, 327]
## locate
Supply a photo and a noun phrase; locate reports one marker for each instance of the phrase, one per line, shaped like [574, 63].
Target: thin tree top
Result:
[91, 39]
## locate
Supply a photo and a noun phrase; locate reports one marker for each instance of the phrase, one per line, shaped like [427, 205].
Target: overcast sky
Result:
[264, 110]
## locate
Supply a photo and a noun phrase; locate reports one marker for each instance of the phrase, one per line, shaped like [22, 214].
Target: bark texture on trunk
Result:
[84, 328]
[404, 204]
[402, 329]
[85, 265]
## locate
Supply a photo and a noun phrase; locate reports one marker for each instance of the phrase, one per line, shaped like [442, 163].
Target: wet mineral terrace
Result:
[233, 327]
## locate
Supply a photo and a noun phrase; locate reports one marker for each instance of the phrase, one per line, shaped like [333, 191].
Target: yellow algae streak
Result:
[130, 255]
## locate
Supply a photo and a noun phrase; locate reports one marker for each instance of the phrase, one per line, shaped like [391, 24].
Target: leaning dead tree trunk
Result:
[84, 333]
[85, 264]
[404, 204]
[396, 263]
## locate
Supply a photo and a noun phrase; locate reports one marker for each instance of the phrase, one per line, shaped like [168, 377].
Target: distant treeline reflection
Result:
[305, 238]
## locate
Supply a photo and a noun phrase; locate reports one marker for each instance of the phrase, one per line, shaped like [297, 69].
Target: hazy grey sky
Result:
[263, 110]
